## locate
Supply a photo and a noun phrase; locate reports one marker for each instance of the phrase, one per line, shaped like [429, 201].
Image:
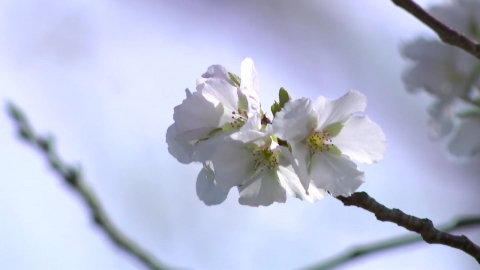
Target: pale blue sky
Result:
[103, 78]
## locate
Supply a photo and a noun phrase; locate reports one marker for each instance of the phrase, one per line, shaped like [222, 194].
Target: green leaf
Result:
[275, 108]
[334, 129]
[235, 79]
[469, 113]
[284, 97]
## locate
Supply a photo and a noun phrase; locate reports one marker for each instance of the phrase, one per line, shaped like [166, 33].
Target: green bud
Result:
[275, 108]
[284, 97]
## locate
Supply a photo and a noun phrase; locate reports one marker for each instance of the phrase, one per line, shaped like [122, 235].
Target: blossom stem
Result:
[424, 226]
[72, 176]
[444, 32]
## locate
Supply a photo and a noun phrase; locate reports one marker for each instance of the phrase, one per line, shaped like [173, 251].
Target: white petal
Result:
[250, 132]
[249, 76]
[466, 141]
[233, 165]
[338, 110]
[205, 149]
[289, 180]
[197, 112]
[315, 193]
[215, 72]
[309, 192]
[287, 177]
[207, 188]
[248, 101]
[296, 120]
[182, 151]
[336, 173]
[220, 91]
[361, 139]
[195, 134]
[249, 85]
[264, 189]
[299, 158]
[253, 123]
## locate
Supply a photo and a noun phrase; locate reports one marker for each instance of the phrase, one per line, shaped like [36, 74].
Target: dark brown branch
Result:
[388, 244]
[424, 226]
[444, 32]
[73, 178]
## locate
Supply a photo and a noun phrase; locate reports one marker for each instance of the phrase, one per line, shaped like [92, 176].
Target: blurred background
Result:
[103, 78]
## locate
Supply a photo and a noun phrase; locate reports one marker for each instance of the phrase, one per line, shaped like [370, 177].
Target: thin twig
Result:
[424, 227]
[444, 32]
[384, 245]
[73, 178]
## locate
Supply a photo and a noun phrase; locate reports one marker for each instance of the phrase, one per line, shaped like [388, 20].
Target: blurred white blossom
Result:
[466, 140]
[449, 74]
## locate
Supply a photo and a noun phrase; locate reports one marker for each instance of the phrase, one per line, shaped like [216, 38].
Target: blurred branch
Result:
[73, 178]
[444, 32]
[384, 245]
[424, 226]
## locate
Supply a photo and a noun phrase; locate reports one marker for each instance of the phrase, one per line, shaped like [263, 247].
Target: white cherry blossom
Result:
[253, 161]
[325, 135]
[215, 110]
[307, 151]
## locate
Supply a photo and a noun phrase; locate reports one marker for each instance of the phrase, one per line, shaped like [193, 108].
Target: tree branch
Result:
[424, 227]
[444, 32]
[73, 178]
[384, 245]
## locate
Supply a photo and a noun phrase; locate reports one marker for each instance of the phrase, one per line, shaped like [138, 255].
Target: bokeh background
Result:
[103, 78]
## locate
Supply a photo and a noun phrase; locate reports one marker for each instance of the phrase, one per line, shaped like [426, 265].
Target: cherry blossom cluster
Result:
[305, 151]
[452, 77]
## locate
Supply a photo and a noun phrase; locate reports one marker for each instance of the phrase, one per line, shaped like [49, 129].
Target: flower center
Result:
[239, 118]
[265, 158]
[319, 142]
